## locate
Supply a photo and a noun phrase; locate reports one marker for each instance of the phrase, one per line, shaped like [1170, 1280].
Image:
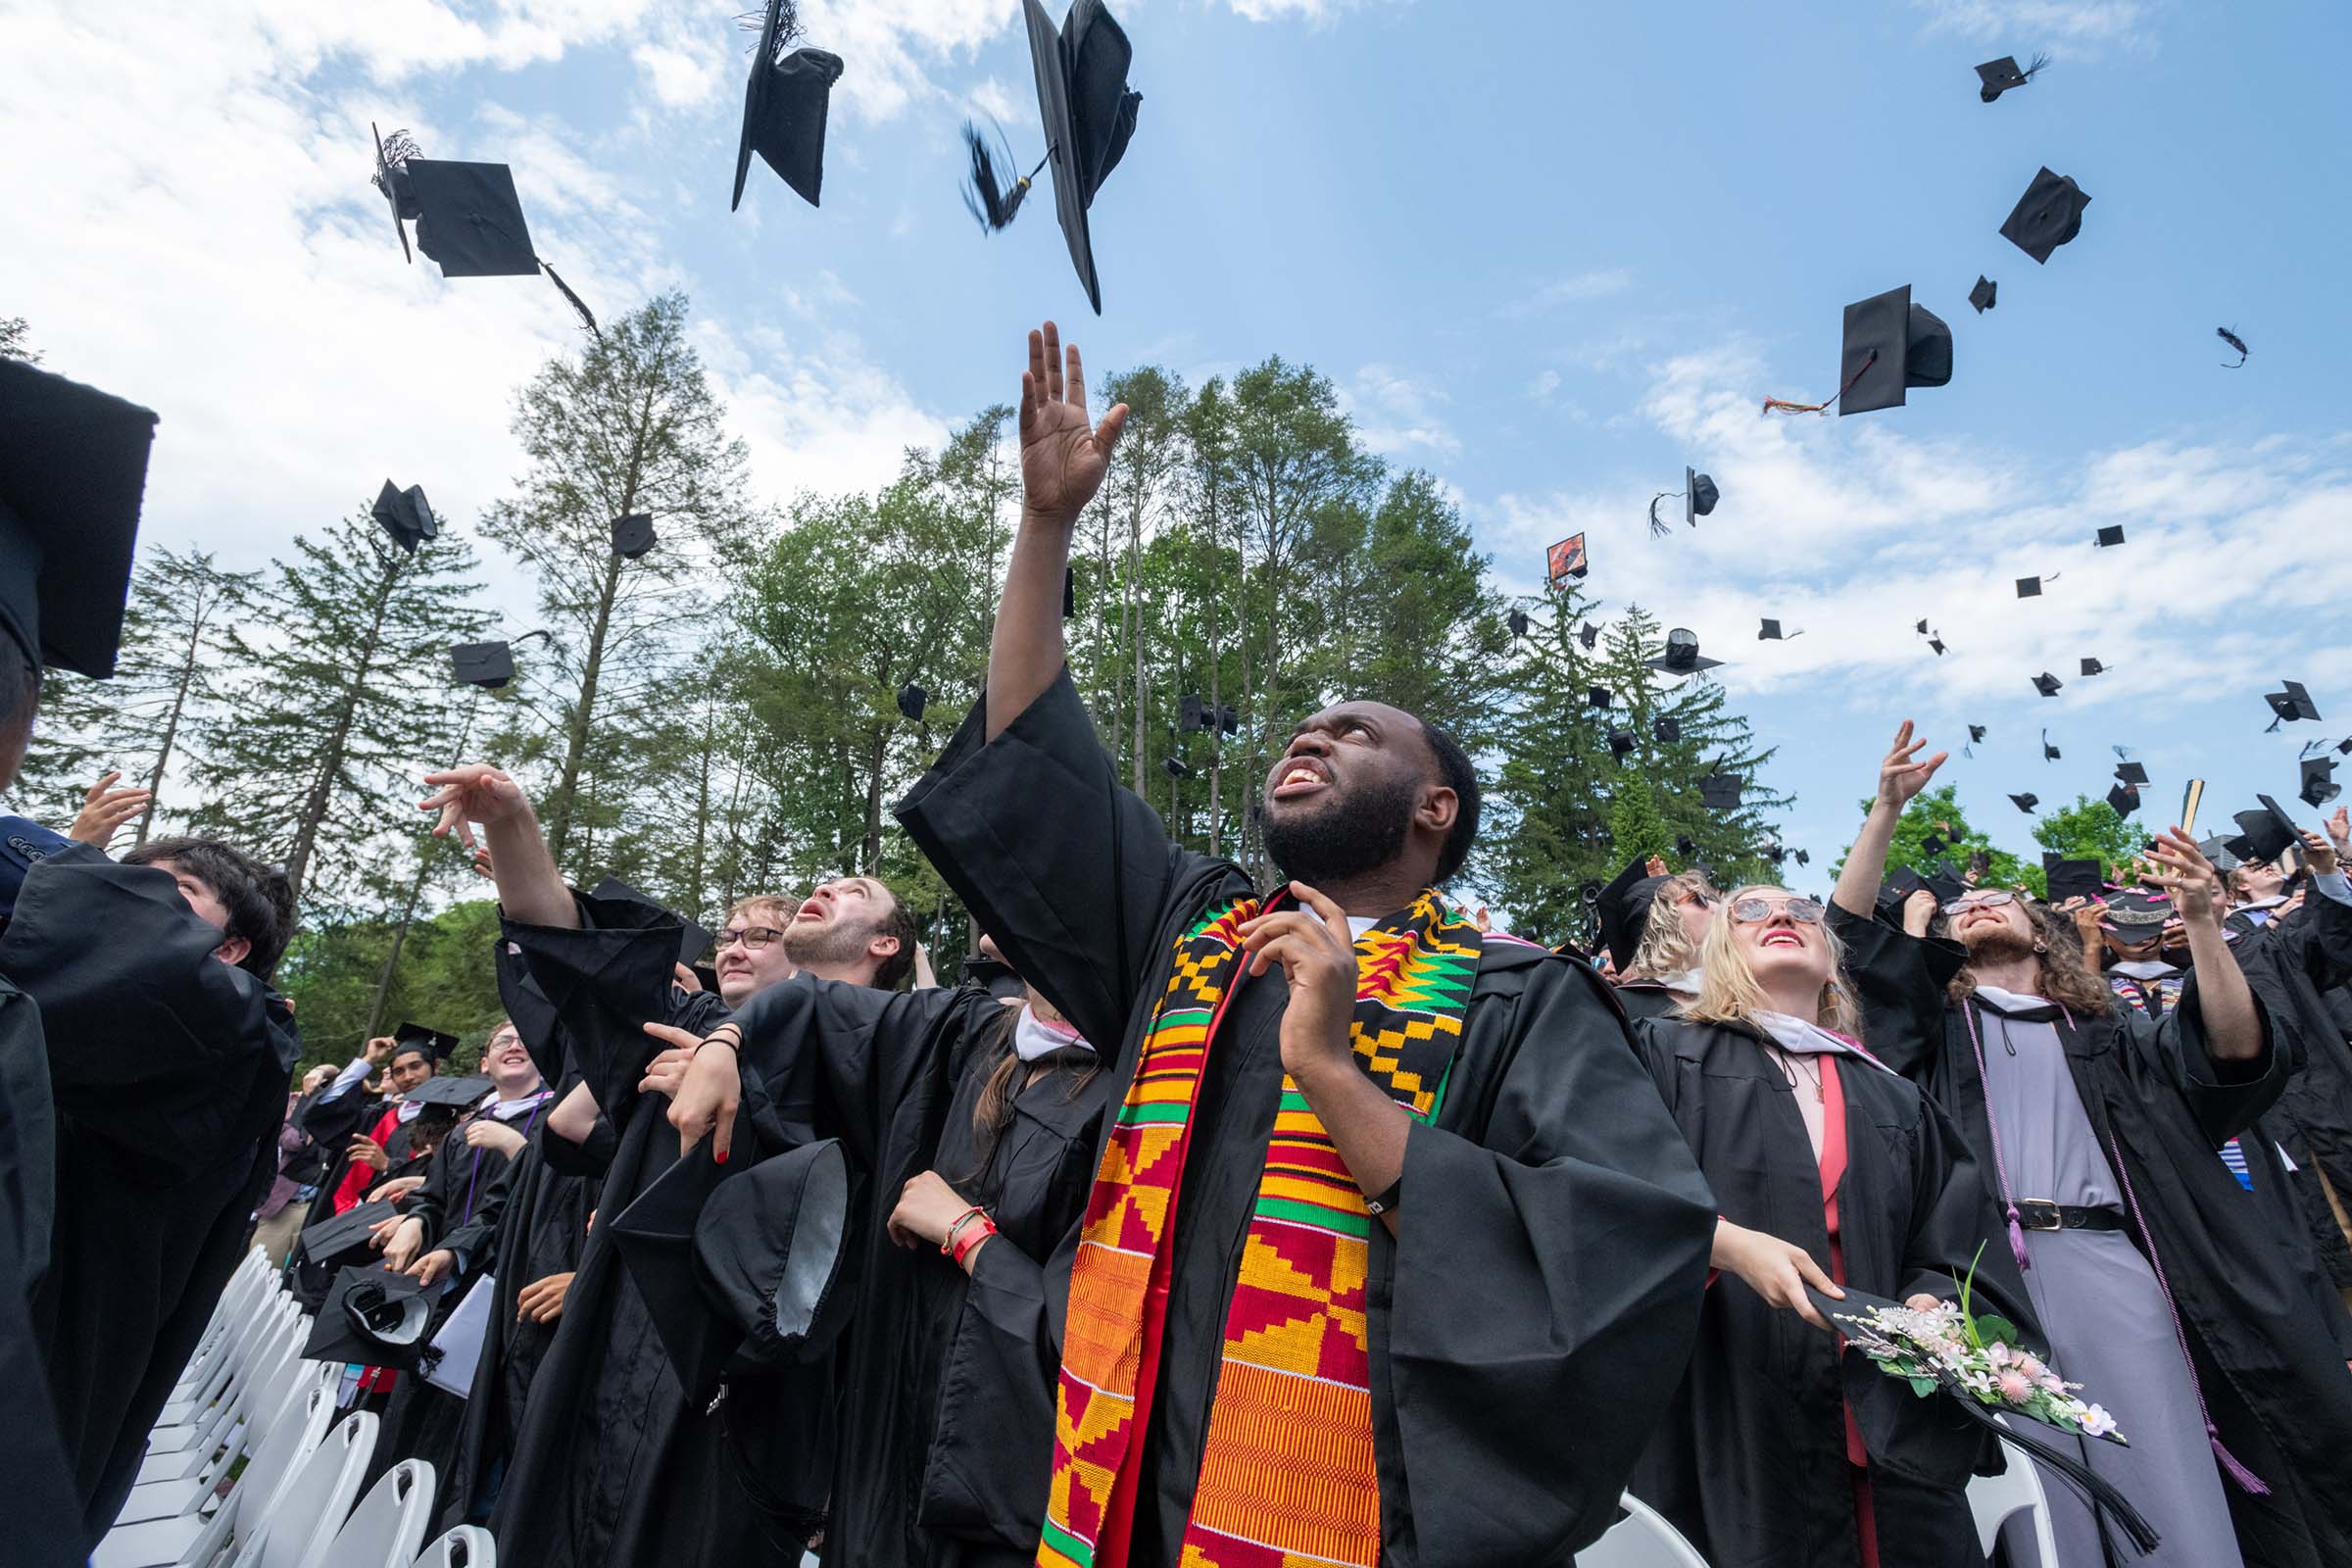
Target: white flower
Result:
[2096, 1422]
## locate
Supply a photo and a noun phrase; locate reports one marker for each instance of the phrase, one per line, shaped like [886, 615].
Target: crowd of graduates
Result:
[1191, 1221]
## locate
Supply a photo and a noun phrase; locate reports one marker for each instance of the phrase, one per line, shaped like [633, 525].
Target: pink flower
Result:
[2096, 1422]
[1997, 1353]
[2030, 1367]
[2015, 1387]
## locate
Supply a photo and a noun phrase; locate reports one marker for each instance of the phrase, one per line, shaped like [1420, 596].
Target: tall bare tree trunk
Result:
[322, 792]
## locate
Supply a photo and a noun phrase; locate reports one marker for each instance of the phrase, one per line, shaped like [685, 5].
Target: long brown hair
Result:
[992, 1112]
[2063, 979]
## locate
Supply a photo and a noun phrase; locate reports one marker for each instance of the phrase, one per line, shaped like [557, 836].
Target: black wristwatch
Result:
[1382, 1202]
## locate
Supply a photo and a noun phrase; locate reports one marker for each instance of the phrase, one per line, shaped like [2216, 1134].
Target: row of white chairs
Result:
[248, 1396]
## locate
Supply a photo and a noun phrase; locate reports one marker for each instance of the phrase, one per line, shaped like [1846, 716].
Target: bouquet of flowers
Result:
[1980, 1362]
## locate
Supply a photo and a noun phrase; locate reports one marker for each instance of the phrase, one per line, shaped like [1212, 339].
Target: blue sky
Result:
[1551, 252]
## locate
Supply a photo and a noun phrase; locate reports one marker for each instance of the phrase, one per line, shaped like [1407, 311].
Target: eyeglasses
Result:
[753, 937]
[1992, 900]
[1804, 911]
[1693, 895]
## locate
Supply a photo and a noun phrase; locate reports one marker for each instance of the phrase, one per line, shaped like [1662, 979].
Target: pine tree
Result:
[1548, 819]
[343, 699]
[631, 427]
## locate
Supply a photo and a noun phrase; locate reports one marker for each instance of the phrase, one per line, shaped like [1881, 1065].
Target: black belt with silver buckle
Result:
[2040, 1214]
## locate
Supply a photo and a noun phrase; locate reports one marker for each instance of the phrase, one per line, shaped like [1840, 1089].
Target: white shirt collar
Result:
[1799, 1038]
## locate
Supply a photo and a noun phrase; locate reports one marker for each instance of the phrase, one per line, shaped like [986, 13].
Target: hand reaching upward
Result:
[1064, 455]
[471, 793]
[1901, 775]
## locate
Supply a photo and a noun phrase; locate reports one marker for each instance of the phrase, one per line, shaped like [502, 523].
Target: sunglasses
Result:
[1804, 911]
[1992, 899]
[753, 937]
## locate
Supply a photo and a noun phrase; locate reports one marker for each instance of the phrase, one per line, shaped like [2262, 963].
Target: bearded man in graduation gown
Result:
[2095, 1130]
[611, 1466]
[1394, 1254]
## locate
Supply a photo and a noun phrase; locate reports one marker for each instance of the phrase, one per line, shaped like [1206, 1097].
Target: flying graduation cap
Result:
[2048, 216]
[1680, 656]
[1699, 495]
[632, 535]
[1621, 742]
[2091, 666]
[1089, 114]
[1976, 732]
[406, 515]
[2124, 798]
[2049, 752]
[1772, 633]
[1588, 634]
[73, 470]
[1984, 295]
[2112, 534]
[1597, 697]
[2026, 802]
[1175, 767]
[1720, 791]
[784, 104]
[2031, 587]
[2236, 342]
[2048, 684]
[2267, 833]
[913, 700]
[1667, 730]
[2131, 773]
[467, 217]
[488, 665]
[1518, 623]
[2292, 704]
[2319, 781]
[1566, 560]
[1997, 76]
[1192, 713]
[1891, 345]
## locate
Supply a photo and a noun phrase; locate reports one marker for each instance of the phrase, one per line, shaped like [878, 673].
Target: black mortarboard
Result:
[1668, 730]
[1720, 791]
[1997, 76]
[2236, 342]
[2026, 802]
[1804, 857]
[1775, 852]
[2091, 666]
[488, 665]
[1685, 847]
[469, 218]
[434, 1043]
[2124, 798]
[2217, 849]
[913, 700]
[406, 515]
[1936, 644]
[1976, 732]
[1518, 623]
[632, 535]
[1565, 560]
[1597, 697]
[1897, 885]
[2048, 684]
[1588, 634]
[1771, 632]
[1699, 496]
[2049, 752]
[1089, 113]
[2068, 878]
[372, 1317]
[2112, 534]
[72, 470]
[1933, 845]
[2136, 915]
[1192, 713]
[1920, 628]
[1069, 592]
[1621, 742]
[1891, 346]
[1983, 295]
[2131, 773]
[2029, 587]
[654, 1237]
[1680, 656]
[344, 1239]
[784, 103]
[1229, 719]
[2046, 216]
[2268, 832]
[1175, 767]
[693, 940]
[2319, 781]
[1625, 905]
[2292, 704]
[1945, 882]
[458, 1094]
[768, 1251]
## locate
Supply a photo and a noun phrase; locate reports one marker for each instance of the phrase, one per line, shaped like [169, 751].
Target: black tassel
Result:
[2236, 342]
[2042, 62]
[1659, 527]
[577, 302]
[985, 196]
[2095, 1488]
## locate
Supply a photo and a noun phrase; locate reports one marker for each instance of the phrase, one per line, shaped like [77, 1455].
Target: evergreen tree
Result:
[631, 427]
[1547, 832]
[15, 340]
[1637, 832]
[344, 697]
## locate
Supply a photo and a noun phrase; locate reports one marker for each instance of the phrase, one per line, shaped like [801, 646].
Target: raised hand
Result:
[1919, 911]
[2339, 833]
[471, 793]
[379, 1050]
[2181, 870]
[1902, 775]
[1064, 455]
[2321, 852]
[104, 808]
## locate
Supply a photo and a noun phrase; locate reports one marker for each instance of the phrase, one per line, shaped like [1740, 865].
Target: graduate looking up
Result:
[1460, 1270]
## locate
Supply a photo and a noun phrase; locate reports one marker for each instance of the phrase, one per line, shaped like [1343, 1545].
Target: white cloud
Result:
[1544, 386]
[893, 46]
[2084, 23]
[1396, 415]
[1577, 288]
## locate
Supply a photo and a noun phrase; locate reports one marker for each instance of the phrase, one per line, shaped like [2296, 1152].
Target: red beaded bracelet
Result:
[947, 1243]
[969, 1241]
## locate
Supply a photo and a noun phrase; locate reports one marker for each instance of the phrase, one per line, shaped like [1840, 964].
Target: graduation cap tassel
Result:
[985, 195]
[577, 302]
[1783, 405]
[2042, 62]
[1659, 528]
[2098, 1492]
[2236, 342]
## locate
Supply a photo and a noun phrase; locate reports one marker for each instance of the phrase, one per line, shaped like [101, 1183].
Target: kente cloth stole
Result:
[1287, 1479]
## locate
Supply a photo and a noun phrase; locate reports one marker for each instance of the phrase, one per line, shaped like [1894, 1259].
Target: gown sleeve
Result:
[1069, 872]
[477, 1237]
[2224, 1096]
[863, 1055]
[1899, 982]
[603, 981]
[589, 1159]
[1544, 1285]
[434, 1203]
[1000, 1375]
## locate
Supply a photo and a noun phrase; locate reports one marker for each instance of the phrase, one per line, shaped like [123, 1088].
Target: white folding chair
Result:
[203, 1382]
[192, 1466]
[315, 1499]
[387, 1527]
[296, 1430]
[243, 1289]
[1994, 1499]
[1640, 1539]
[205, 1426]
[466, 1547]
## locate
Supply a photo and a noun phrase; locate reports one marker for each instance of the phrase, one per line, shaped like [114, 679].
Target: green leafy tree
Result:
[1936, 814]
[2090, 830]
[446, 980]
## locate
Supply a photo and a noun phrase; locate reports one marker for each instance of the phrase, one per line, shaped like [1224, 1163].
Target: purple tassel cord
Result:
[2000, 1167]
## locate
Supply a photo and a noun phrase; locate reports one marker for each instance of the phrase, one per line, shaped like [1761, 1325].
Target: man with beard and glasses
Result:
[2094, 1129]
[611, 1466]
[1392, 1254]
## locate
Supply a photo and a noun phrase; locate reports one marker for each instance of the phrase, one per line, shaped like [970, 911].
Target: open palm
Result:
[1063, 454]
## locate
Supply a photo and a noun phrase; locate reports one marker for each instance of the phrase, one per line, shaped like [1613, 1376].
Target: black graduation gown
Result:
[2272, 1379]
[1751, 1462]
[1646, 999]
[610, 1466]
[44, 1523]
[1526, 1328]
[168, 1070]
[2304, 962]
[533, 1223]
[945, 1441]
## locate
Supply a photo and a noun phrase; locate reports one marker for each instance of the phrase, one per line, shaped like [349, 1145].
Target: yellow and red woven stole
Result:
[1287, 1479]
